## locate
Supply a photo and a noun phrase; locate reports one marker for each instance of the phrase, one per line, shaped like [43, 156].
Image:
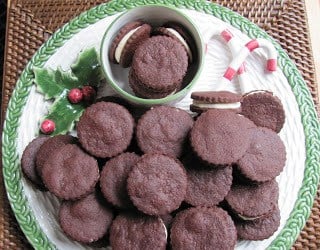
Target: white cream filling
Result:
[200, 104]
[122, 43]
[248, 218]
[181, 39]
[165, 229]
[164, 226]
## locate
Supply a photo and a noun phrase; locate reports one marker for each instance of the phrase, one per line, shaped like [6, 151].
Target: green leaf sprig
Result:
[56, 84]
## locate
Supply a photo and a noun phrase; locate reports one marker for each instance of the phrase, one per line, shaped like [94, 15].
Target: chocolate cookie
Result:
[157, 184]
[164, 129]
[137, 232]
[105, 129]
[259, 229]
[206, 186]
[250, 202]
[265, 158]
[70, 173]
[264, 109]
[180, 34]
[113, 180]
[51, 145]
[224, 100]
[85, 220]
[220, 137]
[126, 42]
[159, 64]
[143, 92]
[28, 161]
[203, 228]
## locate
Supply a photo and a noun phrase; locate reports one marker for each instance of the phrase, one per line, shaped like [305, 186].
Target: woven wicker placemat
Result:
[30, 23]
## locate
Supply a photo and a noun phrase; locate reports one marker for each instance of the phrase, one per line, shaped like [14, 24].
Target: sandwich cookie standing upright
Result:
[158, 67]
[126, 42]
[180, 34]
[264, 109]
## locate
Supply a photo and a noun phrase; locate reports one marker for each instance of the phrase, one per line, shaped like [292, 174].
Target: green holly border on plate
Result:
[11, 164]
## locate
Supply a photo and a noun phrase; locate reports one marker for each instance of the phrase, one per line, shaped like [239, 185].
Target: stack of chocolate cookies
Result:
[159, 58]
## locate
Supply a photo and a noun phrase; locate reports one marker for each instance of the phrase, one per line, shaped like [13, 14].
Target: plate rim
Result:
[10, 160]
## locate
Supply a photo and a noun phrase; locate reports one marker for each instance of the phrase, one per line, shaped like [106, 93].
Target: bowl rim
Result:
[143, 101]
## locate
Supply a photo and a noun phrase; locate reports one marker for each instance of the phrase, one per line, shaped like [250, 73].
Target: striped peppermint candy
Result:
[240, 53]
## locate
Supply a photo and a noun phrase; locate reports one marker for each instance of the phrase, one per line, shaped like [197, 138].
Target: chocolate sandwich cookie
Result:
[142, 92]
[224, 100]
[250, 202]
[220, 137]
[264, 109]
[137, 232]
[126, 42]
[70, 173]
[203, 228]
[265, 158]
[259, 229]
[157, 184]
[164, 129]
[86, 220]
[159, 65]
[180, 34]
[206, 186]
[50, 146]
[113, 180]
[105, 129]
[28, 161]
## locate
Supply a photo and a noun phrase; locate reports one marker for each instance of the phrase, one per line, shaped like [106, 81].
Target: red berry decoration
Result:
[75, 95]
[47, 126]
[89, 94]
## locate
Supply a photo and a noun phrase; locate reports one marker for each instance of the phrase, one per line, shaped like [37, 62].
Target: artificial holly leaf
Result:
[64, 114]
[56, 84]
[52, 83]
[87, 68]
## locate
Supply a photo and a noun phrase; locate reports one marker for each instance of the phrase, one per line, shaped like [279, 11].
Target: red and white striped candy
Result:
[234, 46]
[245, 52]
[239, 57]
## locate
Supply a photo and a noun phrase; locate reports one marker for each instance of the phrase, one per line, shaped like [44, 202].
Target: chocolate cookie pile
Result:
[159, 57]
[188, 184]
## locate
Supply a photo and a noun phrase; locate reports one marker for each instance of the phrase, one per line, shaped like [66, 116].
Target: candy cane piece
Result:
[238, 60]
[271, 51]
[236, 63]
[252, 45]
[234, 46]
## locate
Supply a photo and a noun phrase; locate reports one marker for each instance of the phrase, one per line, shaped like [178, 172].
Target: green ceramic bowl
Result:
[156, 15]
